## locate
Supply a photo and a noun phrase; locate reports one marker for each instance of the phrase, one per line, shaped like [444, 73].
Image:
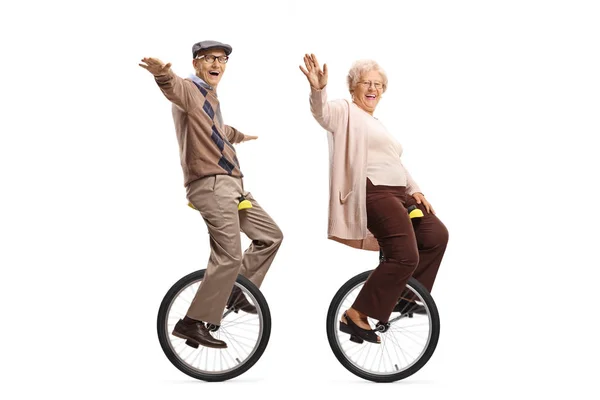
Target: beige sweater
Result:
[205, 143]
[347, 126]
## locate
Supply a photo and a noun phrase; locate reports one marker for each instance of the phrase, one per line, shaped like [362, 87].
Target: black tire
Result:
[418, 363]
[165, 337]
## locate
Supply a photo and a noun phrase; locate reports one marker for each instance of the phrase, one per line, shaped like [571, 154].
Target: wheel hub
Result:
[382, 327]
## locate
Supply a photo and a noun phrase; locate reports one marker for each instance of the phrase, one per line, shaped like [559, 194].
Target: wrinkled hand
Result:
[249, 137]
[316, 77]
[155, 66]
[422, 200]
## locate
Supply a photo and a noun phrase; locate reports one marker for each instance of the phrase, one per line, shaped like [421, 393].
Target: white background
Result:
[495, 103]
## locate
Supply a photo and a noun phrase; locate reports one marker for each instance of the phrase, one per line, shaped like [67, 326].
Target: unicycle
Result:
[246, 335]
[408, 340]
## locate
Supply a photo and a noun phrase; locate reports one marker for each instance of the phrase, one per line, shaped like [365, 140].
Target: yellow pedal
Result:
[414, 212]
[244, 204]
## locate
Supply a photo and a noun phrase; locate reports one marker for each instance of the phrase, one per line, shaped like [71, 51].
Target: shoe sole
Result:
[353, 336]
[194, 343]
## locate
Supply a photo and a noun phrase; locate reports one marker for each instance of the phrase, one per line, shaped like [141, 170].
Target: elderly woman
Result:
[370, 192]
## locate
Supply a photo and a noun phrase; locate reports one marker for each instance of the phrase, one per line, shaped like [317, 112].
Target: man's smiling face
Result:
[210, 71]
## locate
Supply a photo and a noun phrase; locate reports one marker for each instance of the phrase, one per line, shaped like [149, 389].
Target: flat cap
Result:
[210, 44]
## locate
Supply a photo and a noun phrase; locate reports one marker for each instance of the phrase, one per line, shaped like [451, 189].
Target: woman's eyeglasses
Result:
[367, 84]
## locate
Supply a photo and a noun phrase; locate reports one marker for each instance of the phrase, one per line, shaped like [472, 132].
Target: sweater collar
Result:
[201, 82]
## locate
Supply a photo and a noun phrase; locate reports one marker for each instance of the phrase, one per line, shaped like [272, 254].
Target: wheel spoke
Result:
[241, 331]
[403, 343]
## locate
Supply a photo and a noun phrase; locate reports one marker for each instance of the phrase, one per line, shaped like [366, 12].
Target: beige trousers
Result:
[216, 197]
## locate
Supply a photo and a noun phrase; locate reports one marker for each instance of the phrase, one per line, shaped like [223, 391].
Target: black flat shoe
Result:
[358, 334]
[409, 307]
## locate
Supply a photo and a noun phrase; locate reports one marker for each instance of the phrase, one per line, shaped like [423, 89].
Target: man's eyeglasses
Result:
[209, 58]
[367, 84]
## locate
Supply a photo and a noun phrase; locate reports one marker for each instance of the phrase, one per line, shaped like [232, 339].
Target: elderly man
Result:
[214, 186]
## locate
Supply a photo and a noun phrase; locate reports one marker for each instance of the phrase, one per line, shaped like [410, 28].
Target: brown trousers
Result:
[216, 197]
[410, 249]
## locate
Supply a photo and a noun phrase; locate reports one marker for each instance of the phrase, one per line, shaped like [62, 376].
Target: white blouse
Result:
[383, 156]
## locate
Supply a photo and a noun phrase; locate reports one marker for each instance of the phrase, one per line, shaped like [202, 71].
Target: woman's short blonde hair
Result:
[361, 67]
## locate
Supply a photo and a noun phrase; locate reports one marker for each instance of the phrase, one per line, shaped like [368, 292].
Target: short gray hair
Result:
[361, 67]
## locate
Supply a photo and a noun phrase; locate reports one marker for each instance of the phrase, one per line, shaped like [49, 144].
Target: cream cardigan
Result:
[344, 122]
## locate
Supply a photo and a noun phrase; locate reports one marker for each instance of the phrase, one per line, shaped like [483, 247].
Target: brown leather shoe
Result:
[197, 334]
[238, 301]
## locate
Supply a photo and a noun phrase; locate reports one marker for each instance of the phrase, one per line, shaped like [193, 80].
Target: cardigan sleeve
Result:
[411, 185]
[327, 113]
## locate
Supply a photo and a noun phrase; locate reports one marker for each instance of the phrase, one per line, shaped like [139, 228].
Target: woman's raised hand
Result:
[316, 76]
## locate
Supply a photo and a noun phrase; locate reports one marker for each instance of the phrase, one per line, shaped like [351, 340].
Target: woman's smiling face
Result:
[368, 90]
